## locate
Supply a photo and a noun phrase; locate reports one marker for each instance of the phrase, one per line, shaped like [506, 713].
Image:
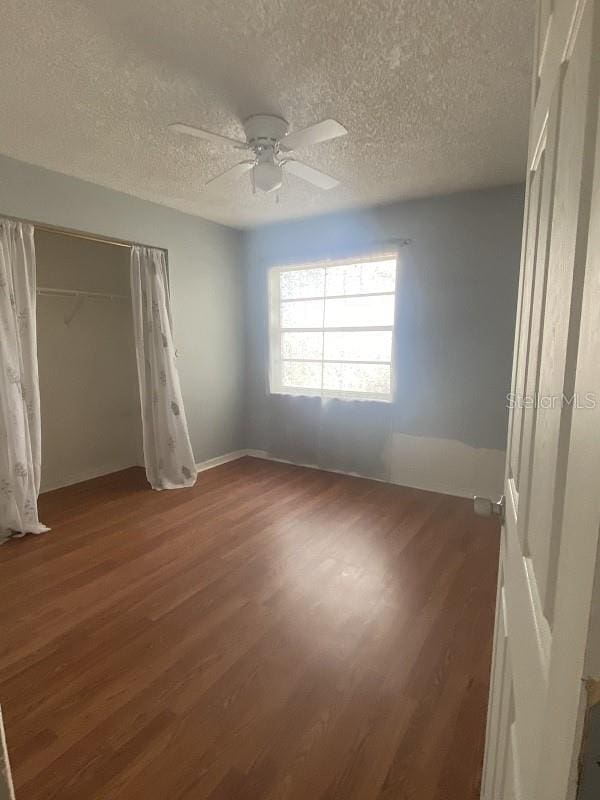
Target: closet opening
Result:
[89, 396]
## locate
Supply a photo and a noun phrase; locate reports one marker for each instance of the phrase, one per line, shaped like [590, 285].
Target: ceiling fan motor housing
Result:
[265, 131]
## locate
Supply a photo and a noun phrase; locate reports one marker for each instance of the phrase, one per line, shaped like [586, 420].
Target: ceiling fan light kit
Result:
[270, 143]
[267, 176]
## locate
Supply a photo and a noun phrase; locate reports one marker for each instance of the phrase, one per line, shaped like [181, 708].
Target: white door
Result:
[6, 786]
[552, 481]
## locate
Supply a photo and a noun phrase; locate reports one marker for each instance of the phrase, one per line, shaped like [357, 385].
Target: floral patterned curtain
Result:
[20, 425]
[167, 450]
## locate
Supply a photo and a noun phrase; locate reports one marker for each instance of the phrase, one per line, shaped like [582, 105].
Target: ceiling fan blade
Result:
[310, 174]
[320, 132]
[209, 136]
[231, 174]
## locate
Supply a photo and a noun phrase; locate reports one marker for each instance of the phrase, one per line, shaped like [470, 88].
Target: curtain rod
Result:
[76, 234]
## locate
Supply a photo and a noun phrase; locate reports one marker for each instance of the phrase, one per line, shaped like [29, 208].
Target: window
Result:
[331, 328]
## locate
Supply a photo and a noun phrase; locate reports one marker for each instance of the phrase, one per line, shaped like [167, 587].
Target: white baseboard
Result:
[434, 465]
[265, 455]
[87, 475]
[224, 459]
[84, 475]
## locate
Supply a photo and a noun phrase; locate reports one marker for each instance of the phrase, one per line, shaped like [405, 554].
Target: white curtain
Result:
[167, 450]
[20, 425]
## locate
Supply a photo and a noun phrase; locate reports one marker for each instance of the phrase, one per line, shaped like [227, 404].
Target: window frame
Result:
[275, 330]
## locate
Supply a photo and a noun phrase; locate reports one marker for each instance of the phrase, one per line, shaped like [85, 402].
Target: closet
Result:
[89, 396]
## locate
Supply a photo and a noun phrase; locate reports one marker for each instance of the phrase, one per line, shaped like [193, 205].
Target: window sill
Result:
[371, 398]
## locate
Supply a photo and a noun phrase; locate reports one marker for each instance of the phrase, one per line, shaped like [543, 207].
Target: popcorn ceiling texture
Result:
[435, 94]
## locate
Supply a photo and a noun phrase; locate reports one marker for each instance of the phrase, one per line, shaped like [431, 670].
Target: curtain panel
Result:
[168, 452]
[20, 423]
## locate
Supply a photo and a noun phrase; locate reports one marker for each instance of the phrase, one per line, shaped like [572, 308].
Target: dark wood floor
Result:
[275, 632]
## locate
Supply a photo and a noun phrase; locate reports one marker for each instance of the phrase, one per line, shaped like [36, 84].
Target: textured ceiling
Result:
[433, 92]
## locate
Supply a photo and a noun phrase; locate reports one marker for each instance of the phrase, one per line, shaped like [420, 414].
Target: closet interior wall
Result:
[91, 423]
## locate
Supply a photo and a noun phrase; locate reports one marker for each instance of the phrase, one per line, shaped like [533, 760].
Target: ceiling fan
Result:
[270, 146]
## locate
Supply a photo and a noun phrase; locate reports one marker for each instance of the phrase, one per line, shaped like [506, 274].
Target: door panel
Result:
[563, 306]
[541, 434]
[542, 572]
[494, 753]
[523, 342]
[542, 38]
[527, 647]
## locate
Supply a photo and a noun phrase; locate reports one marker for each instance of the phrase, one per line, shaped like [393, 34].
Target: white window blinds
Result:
[331, 328]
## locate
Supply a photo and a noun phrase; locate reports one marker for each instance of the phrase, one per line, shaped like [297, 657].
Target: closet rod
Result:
[92, 237]
[79, 293]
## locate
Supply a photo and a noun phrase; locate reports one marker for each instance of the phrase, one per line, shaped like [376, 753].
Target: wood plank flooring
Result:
[274, 632]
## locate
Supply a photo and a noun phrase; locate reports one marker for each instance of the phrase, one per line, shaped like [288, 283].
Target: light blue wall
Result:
[455, 314]
[455, 326]
[206, 286]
